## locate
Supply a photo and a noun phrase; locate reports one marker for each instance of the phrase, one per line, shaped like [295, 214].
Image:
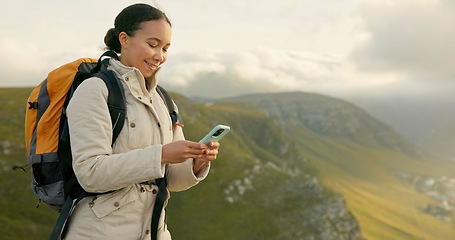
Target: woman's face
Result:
[147, 49]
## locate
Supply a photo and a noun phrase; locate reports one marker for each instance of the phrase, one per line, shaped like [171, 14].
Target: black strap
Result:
[162, 182]
[62, 218]
[61, 227]
[158, 207]
[175, 116]
[101, 63]
[166, 98]
[115, 101]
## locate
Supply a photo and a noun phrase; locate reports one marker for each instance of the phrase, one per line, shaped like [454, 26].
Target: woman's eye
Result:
[151, 45]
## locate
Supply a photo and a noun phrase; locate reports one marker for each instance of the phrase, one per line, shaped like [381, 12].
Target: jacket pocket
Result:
[106, 204]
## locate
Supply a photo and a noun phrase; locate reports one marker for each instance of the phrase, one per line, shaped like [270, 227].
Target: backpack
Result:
[47, 134]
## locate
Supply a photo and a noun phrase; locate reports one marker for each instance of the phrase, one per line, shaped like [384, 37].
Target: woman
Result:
[147, 143]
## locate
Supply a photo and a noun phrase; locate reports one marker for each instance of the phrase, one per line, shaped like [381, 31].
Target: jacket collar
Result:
[124, 71]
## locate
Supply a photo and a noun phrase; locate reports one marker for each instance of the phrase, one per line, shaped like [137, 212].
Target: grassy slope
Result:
[19, 219]
[239, 154]
[385, 206]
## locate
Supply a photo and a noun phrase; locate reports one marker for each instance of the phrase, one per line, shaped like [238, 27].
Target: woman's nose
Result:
[159, 56]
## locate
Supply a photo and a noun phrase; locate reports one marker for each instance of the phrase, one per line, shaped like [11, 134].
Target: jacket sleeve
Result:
[181, 176]
[95, 165]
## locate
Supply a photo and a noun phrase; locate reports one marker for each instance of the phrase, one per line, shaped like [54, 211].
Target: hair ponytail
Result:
[111, 40]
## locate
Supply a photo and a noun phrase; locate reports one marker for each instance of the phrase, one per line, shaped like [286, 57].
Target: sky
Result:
[345, 48]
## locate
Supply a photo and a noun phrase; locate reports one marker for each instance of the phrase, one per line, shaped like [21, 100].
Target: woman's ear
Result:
[123, 39]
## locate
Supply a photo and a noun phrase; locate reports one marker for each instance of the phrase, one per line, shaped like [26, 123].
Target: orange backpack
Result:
[46, 127]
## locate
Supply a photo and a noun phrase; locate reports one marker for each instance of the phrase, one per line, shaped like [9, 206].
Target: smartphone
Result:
[215, 134]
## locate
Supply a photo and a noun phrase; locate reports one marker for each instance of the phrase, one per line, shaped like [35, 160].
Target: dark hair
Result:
[129, 20]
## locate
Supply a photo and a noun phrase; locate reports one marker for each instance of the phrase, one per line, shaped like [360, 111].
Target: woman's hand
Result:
[180, 151]
[209, 155]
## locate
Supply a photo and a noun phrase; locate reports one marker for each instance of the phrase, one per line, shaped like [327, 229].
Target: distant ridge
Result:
[327, 116]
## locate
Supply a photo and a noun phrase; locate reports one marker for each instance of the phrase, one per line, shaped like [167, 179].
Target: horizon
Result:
[339, 48]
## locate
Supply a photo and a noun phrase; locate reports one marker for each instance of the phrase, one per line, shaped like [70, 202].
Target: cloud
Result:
[186, 68]
[23, 64]
[38, 36]
[334, 47]
[408, 37]
[258, 70]
[56, 34]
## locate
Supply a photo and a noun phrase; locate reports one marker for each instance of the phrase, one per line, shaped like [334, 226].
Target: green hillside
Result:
[294, 166]
[365, 160]
[260, 182]
[19, 218]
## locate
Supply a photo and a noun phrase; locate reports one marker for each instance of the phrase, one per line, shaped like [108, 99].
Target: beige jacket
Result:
[134, 159]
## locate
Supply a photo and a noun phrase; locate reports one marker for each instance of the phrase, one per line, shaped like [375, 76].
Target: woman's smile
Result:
[152, 66]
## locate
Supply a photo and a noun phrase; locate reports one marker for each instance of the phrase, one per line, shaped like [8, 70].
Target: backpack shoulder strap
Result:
[103, 61]
[175, 116]
[116, 97]
[115, 101]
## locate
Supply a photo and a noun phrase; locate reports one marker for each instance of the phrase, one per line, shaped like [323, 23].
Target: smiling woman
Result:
[126, 179]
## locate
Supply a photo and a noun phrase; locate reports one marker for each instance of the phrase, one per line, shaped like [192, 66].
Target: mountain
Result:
[294, 166]
[330, 117]
[425, 121]
[382, 176]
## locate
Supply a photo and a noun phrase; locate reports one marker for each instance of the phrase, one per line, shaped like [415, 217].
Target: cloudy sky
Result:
[335, 47]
